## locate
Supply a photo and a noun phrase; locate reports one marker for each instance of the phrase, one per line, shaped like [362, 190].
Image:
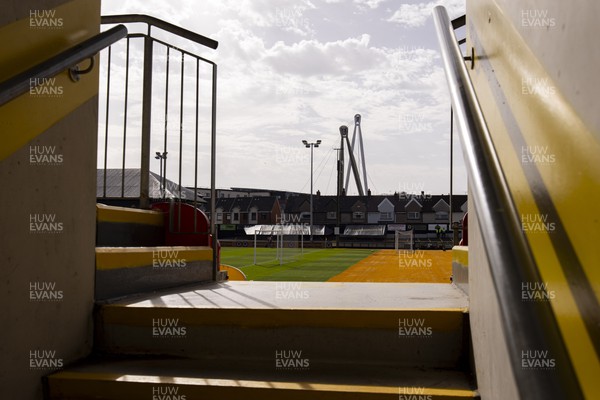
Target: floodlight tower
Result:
[340, 181]
[311, 145]
[361, 151]
[162, 181]
[340, 165]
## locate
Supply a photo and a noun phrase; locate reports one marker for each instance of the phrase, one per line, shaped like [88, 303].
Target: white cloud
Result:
[289, 71]
[311, 57]
[287, 15]
[370, 3]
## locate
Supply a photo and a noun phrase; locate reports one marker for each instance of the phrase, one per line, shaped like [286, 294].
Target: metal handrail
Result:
[159, 23]
[28, 79]
[526, 325]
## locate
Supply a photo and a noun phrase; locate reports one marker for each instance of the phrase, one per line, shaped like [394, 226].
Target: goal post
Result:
[404, 240]
[264, 237]
[282, 243]
[290, 243]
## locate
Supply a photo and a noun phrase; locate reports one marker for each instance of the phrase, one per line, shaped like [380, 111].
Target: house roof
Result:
[324, 203]
[428, 202]
[262, 203]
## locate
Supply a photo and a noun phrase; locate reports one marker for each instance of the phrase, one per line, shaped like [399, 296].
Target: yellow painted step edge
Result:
[88, 378]
[108, 258]
[128, 215]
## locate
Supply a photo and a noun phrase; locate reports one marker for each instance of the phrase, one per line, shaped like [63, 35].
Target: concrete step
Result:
[185, 379]
[126, 271]
[128, 227]
[362, 324]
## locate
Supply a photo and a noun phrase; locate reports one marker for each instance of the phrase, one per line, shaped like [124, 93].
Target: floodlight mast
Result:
[162, 182]
[311, 145]
[340, 180]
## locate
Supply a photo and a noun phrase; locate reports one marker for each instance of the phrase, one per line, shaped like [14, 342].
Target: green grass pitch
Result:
[316, 265]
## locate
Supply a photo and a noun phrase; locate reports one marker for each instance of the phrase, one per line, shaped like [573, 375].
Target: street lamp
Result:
[162, 156]
[311, 145]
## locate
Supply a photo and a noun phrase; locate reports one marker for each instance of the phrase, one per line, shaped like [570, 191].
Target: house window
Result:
[358, 215]
[219, 218]
[386, 216]
[236, 217]
[331, 215]
[441, 216]
[253, 216]
[264, 215]
[305, 215]
[413, 215]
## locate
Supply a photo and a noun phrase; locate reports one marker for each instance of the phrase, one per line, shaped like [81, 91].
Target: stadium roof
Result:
[131, 189]
[364, 230]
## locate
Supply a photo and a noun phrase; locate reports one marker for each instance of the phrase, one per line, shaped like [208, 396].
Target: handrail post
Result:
[213, 166]
[450, 214]
[146, 125]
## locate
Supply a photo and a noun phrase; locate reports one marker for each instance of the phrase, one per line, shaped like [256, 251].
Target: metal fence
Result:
[158, 98]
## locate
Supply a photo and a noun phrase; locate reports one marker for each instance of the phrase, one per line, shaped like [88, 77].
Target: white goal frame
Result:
[406, 234]
[279, 232]
[282, 232]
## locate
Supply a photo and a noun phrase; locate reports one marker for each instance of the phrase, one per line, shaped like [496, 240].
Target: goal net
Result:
[290, 242]
[280, 244]
[404, 240]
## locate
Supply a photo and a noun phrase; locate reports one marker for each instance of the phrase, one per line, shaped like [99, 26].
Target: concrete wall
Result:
[535, 82]
[566, 46]
[46, 290]
[495, 379]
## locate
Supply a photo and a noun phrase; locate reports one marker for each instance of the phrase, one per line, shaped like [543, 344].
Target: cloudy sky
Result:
[298, 69]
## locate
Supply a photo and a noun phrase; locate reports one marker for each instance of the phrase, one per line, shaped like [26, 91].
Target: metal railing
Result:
[526, 325]
[66, 60]
[158, 55]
